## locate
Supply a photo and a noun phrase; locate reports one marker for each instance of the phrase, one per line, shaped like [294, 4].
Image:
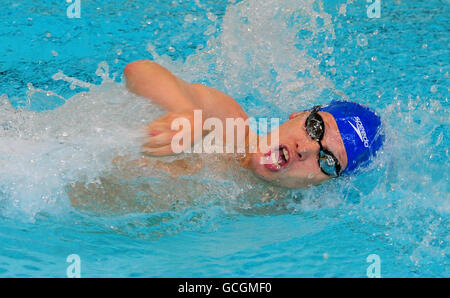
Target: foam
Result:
[42, 152]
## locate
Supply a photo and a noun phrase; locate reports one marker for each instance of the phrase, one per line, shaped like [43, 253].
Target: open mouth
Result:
[277, 158]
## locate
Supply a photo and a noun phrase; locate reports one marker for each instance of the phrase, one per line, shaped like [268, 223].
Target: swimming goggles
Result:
[315, 127]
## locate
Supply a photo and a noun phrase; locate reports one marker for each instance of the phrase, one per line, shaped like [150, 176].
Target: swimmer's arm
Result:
[153, 81]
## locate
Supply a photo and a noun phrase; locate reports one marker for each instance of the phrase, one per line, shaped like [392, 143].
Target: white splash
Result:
[42, 152]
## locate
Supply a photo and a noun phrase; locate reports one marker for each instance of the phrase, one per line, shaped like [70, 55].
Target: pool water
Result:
[65, 114]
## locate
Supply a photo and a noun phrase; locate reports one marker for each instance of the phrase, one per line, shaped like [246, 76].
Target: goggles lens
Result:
[315, 127]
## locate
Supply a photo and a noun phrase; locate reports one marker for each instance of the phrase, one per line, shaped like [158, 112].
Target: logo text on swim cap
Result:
[359, 129]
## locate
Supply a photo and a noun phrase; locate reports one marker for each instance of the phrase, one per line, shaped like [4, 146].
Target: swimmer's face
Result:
[301, 168]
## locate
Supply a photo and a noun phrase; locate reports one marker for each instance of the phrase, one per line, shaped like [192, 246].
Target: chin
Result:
[278, 179]
[260, 170]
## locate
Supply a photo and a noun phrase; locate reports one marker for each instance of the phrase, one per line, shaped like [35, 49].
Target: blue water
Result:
[273, 57]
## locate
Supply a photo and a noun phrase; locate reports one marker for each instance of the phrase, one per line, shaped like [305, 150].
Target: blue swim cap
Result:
[360, 129]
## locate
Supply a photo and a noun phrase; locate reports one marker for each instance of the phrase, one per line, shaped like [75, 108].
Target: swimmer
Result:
[315, 146]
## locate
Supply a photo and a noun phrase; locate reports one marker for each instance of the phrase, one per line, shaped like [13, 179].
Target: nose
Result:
[306, 147]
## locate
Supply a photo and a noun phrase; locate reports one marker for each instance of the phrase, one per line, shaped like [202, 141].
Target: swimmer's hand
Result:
[170, 134]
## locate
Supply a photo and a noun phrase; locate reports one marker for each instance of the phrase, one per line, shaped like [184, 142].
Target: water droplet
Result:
[212, 17]
[361, 40]
[379, 93]
[188, 18]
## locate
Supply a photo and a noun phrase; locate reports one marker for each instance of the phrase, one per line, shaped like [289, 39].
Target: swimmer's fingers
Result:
[159, 140]
[162, 131]
[157, 128]
[172, 119]
[167, 143]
